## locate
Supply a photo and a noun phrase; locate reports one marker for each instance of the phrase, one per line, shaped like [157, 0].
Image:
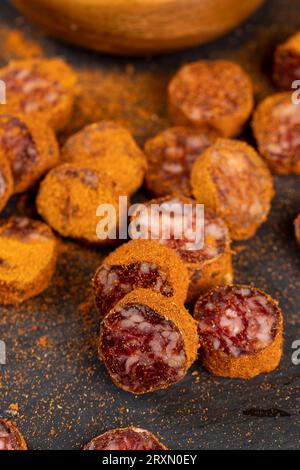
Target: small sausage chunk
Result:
[208, 260]
[232, 180]
[68, 200]
[297, 228]
[286, 66]
[240, 330]
[171, 155]
[139, 264]
[109, 148]
[28, 252]
[216, 93]
[30, 146]
[130, 438]
[43, 87]
[6, 181]
[10, 436]
[276, 127]
[147, 342]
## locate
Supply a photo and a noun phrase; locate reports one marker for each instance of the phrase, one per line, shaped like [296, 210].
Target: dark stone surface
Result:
[65, 396]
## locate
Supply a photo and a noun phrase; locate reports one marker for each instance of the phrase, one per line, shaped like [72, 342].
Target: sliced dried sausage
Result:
[297, 228]
[147, 342]
[139, 264]
[6, 181]
[208, 260]
[171, 155]
[130, 438]
[68, 199]
[286, 67]
[216, 93]
[43, 87]
[10, 436]
[110, 148]
[231, 179]
[240, 330]
[28, 253]
[276, 127]
[30, 146]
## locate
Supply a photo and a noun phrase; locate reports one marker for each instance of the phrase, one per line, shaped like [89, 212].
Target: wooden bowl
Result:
[137, 26]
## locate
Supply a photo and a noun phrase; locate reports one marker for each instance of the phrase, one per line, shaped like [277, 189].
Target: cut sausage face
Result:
[236, 320]
[238, 185]
[276, 126]
[99, 139]
[171, 155]
[68, 199]
[142, 350]
[38, 92]
[6, 182]
[113, 282]
[109, 148]
[16, 139]
[125, 439]
[212, 93]
[10, 437]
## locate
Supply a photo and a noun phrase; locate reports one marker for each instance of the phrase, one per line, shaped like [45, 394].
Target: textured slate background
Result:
[64, 394]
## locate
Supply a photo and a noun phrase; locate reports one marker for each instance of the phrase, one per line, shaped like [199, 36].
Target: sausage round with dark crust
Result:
[30, 146]
[111, 149]
[276, 127]
[171, 155]
[208, 261]
[147, 342]
[139, 264]
[297, 228]
[10, 436]
[28, 253]
[286, 67]
[42, 87]
[218, 94]
[240, 330]
[231, 179]
[130, 438]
